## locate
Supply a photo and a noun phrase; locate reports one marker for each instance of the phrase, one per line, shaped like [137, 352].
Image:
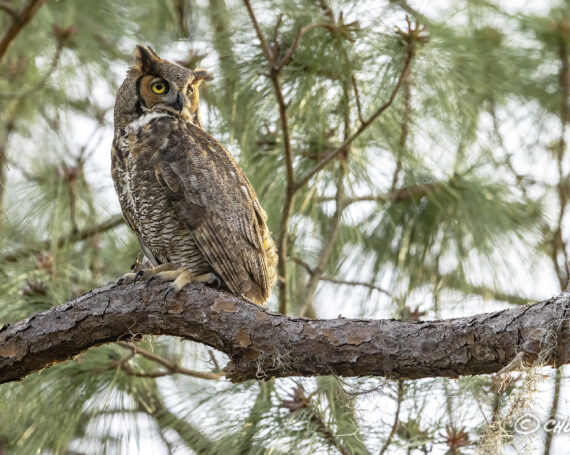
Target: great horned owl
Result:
[191, 205]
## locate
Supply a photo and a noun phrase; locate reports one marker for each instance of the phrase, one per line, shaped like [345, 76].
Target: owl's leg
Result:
[146, 273]
[181, 277]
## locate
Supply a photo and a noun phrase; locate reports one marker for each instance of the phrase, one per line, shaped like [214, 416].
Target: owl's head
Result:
[154, 84]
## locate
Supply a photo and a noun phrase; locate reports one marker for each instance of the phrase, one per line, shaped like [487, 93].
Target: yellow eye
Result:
[159, 87]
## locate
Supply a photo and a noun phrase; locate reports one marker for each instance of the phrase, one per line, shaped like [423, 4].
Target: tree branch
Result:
[41, 83]
[399, 195]
[7, 8]
[290, 190]
[332, 155]
[170, 366]
[287, 58]
[270, 56]
[333, 280]
[19, 20]
[262, 344]
[77, 236]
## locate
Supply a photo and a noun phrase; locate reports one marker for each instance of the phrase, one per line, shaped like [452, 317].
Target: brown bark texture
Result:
[262, 344]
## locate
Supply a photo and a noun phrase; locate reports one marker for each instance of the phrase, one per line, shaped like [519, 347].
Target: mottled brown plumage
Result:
[189, 202]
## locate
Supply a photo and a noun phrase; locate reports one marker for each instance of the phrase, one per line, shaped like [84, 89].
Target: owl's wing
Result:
[213, 197]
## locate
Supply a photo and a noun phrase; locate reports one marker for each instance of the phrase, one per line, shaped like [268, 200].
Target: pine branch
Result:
[73, 237]
[342, 147]
[149, 401]
[394, 428]
[170, 366]
[399, 195]
[553, 414]
[19, 20]
[327, 249]
[275, 69]
[42, 82]
[307, 28]
[7, 8]
[559, 247]
[333, 280]
[262, 344]
[220, 20]
[282, 247]
[333, 231]
[451, 281]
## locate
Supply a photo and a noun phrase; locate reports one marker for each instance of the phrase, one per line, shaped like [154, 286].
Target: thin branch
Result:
[358, 283]
[404, 131]
[149, 401]
[264, 47]
[19, 20]
[214, 360]
[40, 84]
[331, 156]
[451, 282]
[396, 418]
[553, 414]
[290, 189]
[559, 245]
[403, 4]
[7, 8]
[357, 96]
[262, 344]
[289, 194]
[170, 366]
[282, 247]
[276, 29]
[345, 282]
[327, 433]
[402, 194]
[332, 234]
[307, 28]
[334, 280]
[73, 237]
[333, 231]
[327, 248]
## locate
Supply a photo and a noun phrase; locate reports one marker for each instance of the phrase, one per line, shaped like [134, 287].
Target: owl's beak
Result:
[179, 103]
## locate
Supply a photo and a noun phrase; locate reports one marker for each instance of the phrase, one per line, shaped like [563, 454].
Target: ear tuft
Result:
[201, 75]
[145, 58]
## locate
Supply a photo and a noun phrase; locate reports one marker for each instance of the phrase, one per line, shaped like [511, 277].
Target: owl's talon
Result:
[168, 291]
[138, 275]
[149, 281]
[125, 277]
[217, 281]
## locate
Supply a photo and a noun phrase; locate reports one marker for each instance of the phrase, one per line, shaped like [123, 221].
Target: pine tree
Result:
[412, 163]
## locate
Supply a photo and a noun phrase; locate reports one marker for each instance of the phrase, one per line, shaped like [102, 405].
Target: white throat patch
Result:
[137, 124]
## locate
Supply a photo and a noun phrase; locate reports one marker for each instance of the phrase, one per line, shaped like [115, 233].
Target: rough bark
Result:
[263, 344]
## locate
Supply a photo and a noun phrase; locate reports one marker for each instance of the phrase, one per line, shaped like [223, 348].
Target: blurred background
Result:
[449, 200]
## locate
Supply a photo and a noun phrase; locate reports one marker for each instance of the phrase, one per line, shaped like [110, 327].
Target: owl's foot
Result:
[181, 277]
[168, 272]
[147, 274]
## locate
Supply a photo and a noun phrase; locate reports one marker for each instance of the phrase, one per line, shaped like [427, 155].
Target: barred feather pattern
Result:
[191, 204]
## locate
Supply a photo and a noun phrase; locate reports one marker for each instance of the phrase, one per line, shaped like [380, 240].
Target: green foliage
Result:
[456, 192]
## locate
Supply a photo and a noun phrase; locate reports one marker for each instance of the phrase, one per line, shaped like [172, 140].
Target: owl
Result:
[195, 213]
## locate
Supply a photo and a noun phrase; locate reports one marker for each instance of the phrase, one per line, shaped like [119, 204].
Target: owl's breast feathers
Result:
[210, 194]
